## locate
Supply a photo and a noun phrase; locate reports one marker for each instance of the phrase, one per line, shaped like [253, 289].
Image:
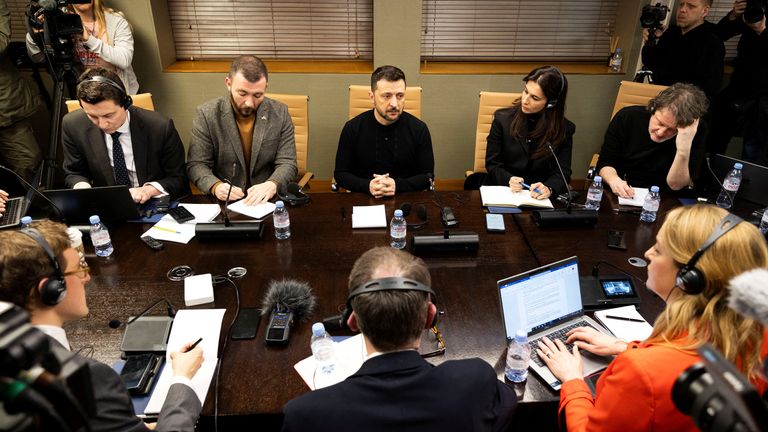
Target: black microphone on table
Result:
[116, 323]
[569, 216]
[227, 222]
[59, 213]
[286, 301]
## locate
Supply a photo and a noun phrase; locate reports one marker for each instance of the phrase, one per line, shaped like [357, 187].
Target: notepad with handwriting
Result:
[502, 196]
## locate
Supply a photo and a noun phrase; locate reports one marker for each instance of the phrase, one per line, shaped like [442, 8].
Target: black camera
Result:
[58, 29]
[652, 16]
[755, 11]
[718, 397]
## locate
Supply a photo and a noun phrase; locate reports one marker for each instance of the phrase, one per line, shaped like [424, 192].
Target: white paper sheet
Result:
[627, 330]
[350, 355]
[636, 201]
[502, 196]
[374, 216]
[188, 326]
[202, 212]
[256, 212]
[168, 229]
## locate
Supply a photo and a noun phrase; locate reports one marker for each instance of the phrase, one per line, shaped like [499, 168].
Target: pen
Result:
[194, 345]
[527, 186]
[343, 214]
[166, 229]
[624, 318]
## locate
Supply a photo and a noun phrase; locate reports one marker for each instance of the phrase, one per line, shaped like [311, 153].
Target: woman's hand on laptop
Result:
[596, 342]
[3, 199]
[564, 365]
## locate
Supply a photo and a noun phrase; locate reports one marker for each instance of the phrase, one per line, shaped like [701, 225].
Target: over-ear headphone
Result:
[55, 288]
[553, 102]
[692, 280]
[388, 284]
[421, 213]
[126, 101]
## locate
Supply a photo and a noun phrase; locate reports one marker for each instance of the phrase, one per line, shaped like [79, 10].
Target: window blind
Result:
[18, 19]
[298, 29]
[507, 30]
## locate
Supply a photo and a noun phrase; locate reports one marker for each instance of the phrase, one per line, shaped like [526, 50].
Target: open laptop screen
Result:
[540, 298]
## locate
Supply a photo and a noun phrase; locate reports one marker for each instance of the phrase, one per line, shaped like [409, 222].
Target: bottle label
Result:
[100, 238]
[651, 205]
[281, 221]
[594, 195]
[397, 231]
[732, 184]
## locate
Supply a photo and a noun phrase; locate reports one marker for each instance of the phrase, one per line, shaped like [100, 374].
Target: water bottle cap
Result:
[654, 188]
[737, 165]
[521, 336]
[94, 219]
[618, 50]
[598, 179]
[26, 220]
[279, 204]
[398, 213]
[318, 329]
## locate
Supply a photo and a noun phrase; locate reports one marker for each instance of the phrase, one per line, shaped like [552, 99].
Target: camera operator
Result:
[106, 41]
[18, 102]
[744, 102]
[40, 272]
[689, 51]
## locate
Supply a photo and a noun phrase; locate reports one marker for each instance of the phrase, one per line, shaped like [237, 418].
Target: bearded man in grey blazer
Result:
[244, 137]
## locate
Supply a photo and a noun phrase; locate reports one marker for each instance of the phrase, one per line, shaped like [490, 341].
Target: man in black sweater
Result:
[689, 51]
[638, 148]
[385, 150]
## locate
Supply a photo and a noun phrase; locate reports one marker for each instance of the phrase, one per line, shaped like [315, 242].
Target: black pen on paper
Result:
[624, 318]
[194, 344]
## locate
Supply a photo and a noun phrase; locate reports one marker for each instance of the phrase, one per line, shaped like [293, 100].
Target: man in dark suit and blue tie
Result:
[390, 301]
[150, 156]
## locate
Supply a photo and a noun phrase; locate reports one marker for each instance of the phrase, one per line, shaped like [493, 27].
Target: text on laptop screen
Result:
[535, 300]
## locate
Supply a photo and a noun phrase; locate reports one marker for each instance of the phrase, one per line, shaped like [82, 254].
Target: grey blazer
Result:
[216, 153]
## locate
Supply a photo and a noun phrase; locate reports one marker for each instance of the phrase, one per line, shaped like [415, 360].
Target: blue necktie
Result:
[118, 161]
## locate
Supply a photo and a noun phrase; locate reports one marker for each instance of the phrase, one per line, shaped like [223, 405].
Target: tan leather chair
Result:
[298, 108]
[359, 101]
[630, 94]
[489, 103]
[141, 100]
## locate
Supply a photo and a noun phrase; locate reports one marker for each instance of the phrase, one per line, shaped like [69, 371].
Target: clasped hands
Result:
[382, 185]
[538, 190]
[257, 194]
[566, 365]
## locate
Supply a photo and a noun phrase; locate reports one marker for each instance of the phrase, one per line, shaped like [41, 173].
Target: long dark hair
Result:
[550, 128]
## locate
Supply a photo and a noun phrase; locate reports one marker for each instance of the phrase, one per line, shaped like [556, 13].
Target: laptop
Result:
[754, 181]
[15, 209]
[547, 302]
[111, 203]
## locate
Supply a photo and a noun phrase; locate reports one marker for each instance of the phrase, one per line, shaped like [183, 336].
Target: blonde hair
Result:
[706, 317]
[99, 13]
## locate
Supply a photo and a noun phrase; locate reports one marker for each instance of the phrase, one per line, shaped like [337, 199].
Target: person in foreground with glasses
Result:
[40, 272]
[391, 304]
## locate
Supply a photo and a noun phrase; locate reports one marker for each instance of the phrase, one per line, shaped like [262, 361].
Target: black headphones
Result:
[692, 280]
[388, 284]
[553, 102]
[293, 195]
[55, 288]
[126, 102]
[421, 213]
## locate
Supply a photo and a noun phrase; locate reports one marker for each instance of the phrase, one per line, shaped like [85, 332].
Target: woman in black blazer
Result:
[518, 143]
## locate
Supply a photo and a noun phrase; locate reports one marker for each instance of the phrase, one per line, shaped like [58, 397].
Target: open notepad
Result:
[502, 196]
[636, 330]
[637, 200]
[188, 326]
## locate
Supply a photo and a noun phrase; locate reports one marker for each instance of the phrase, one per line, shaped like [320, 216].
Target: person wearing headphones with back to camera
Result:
[519, 142]
[150, 157]
[698, 250]
[40, 272]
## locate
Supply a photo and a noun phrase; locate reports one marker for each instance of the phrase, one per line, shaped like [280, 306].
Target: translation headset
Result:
[553, 102]
[421, 213]
[388, 284]
[691, 280]
[55, 288]
[126, 101]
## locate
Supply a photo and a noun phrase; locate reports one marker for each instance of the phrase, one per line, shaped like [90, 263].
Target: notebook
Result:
[546, 301]
[111, 203]
[502, 196]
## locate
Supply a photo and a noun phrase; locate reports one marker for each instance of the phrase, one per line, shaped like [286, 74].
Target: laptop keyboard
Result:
[560, 334]
[11, 213]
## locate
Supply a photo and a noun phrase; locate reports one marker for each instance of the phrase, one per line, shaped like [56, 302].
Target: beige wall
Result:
[449, 101]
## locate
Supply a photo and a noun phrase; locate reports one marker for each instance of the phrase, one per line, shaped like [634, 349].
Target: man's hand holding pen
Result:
[187, 361]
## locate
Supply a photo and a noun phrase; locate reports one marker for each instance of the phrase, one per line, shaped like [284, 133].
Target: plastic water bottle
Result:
[282, 221]
[764, 222]
[322, 350]
[651, 205]
[616, 60]
[595, 194]
[397, 230]
[518, 357]
[100, 238]
[25, 221]
[730, 187]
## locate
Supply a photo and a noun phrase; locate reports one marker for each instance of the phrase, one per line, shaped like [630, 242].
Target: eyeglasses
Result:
[440, 344]
[81, 272]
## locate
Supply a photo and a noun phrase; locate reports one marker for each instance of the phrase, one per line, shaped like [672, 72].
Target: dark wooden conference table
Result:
[257, 380]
